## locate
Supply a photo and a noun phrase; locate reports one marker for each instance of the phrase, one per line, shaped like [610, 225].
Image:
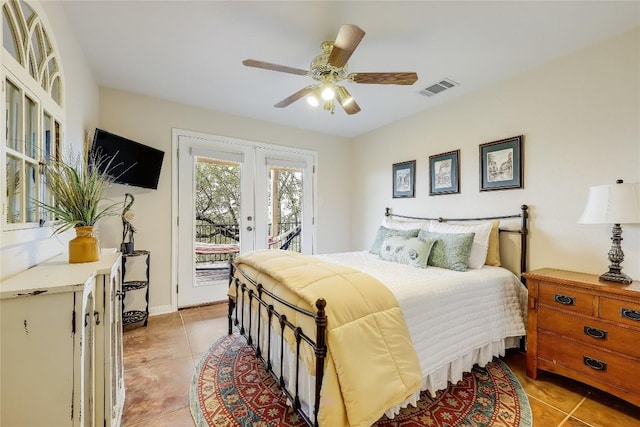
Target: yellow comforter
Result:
[371, 363]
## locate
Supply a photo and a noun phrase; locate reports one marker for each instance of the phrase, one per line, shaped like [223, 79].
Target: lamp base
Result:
[616, 276]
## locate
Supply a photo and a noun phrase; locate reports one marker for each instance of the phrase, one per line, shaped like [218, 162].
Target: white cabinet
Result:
[110, 386]
[61, 345]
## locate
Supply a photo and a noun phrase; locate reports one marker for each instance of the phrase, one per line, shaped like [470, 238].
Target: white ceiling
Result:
[191, 51]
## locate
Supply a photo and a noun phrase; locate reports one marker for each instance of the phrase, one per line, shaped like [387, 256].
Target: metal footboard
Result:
[251, 296]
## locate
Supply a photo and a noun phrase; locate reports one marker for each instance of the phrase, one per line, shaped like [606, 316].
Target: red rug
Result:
[232, 388]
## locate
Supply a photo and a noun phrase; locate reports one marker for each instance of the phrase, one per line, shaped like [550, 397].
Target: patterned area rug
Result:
[232, 388]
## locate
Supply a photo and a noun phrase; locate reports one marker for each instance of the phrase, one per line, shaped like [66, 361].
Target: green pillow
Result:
[384, 232]
[451, 250]
[411, 251]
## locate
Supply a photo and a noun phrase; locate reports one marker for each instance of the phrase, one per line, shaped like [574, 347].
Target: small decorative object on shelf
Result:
[135, 286]
[127, 247]
[615, 204]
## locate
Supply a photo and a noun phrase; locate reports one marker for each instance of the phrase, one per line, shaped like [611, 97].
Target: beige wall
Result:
[580, 117]
[24, 248]
[150, 121]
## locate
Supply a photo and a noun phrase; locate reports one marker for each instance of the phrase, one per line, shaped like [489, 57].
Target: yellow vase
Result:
[84, 248]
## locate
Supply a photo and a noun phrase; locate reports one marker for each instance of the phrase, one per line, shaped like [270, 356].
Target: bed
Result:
[448, 320]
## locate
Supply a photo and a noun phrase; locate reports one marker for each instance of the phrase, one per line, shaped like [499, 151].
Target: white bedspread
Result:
[456, 319]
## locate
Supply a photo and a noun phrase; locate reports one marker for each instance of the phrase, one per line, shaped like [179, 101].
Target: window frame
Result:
[47, 110]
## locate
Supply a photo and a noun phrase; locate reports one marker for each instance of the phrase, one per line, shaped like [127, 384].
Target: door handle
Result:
[249, 228]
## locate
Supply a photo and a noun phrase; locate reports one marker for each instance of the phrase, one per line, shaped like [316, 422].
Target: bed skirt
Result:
[432, 381]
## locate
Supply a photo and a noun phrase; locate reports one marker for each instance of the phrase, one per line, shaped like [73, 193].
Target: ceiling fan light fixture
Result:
[313, 100]
[343, 95]
[329, 69]
[328, 93]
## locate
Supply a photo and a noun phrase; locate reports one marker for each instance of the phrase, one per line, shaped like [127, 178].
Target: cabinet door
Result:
[88, 356]
[115, 399]
[110, 372]
[37, 358]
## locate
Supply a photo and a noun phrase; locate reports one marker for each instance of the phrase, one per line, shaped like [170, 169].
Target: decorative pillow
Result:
[493, 253]
[411, 251]
[480, 242]
[384, 232]
[399, 224]
[450, 251]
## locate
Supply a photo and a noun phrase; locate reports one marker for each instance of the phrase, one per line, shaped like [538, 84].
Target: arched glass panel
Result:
[9, 39]
[35, 45]
[27, 11]
[25, 38]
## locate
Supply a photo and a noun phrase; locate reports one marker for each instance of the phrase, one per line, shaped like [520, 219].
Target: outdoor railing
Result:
[228, 234]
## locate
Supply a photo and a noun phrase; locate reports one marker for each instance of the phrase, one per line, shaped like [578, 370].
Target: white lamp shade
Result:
[612, 204]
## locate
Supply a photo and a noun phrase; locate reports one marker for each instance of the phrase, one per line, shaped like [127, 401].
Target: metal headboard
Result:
[523, 231]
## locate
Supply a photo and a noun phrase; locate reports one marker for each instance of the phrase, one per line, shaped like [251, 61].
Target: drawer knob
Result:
[564, 299]
[596, 364]
[598, 334]
[627, 313]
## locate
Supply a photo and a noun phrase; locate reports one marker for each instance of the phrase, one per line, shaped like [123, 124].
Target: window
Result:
[33, 116]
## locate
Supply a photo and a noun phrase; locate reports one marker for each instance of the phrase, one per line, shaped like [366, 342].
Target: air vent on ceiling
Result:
[438, 87]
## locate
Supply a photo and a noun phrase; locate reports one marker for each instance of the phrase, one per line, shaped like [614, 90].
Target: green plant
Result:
[77, 191]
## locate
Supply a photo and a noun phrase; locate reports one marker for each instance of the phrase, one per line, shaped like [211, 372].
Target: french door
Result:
[235, 196]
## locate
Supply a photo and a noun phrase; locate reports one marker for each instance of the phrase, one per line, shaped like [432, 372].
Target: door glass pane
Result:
[217, 210]
[13, 117]
[285, 208]
[31, 193]
[14, 190]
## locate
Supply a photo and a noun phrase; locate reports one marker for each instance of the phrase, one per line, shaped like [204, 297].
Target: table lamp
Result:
[615, 204]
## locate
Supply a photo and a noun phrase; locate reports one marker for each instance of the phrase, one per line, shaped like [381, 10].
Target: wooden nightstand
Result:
[585, 329]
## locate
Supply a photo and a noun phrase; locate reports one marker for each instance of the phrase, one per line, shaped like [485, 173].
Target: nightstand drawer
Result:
[590, 331]
[620, 311]
[602, 366]
[566, 299]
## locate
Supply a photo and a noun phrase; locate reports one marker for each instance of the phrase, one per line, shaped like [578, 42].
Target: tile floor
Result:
[160, 361]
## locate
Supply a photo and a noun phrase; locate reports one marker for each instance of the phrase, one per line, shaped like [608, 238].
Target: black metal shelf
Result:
[135, 315]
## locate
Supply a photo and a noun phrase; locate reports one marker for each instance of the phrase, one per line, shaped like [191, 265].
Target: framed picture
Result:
[501, 164]
[404, 178]
[444, 173]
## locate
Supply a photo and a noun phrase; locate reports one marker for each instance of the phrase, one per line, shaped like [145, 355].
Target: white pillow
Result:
[409, 224]
[480, 246]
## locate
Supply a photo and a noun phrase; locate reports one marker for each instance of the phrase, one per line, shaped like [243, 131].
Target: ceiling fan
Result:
[329, 69]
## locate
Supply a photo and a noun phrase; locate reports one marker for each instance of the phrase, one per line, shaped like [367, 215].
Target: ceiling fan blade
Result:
[293, 98]
[347, 40]
[274, 67]
[351, 108]
[385, 78]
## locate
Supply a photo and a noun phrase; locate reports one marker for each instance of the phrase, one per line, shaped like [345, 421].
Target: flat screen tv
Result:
[133, 163]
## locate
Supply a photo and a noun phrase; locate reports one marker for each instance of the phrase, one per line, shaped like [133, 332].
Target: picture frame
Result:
[444, 173]
[404, 178]
[501, 164]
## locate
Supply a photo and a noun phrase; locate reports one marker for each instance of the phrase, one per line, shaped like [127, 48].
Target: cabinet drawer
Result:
[590, 331]
[566, 299]
[602, 366]
[620, 311]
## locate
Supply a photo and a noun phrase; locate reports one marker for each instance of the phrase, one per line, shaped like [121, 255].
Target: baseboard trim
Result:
[163, 309]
